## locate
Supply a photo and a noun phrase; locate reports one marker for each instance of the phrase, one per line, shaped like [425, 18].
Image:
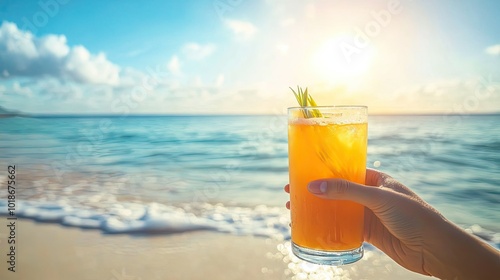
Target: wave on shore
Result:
[156, 218]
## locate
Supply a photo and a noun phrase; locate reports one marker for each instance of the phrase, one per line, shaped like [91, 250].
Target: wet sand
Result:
[51, 251]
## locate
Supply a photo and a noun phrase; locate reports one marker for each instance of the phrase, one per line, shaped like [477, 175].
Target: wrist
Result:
[455, 254]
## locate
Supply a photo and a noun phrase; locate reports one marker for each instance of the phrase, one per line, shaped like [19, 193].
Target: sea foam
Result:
[157, 218]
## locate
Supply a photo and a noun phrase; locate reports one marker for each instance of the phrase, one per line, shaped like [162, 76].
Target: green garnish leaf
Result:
[305, 100]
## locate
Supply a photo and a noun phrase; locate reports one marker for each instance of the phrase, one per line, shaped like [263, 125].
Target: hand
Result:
[391, 225]
[410, 231]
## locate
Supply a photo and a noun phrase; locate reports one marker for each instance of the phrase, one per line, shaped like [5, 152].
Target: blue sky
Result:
[240, 56]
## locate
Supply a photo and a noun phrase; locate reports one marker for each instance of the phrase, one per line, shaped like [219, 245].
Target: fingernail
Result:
[318, 188]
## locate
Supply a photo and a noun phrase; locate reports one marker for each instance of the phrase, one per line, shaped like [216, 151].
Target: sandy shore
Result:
[50, 251]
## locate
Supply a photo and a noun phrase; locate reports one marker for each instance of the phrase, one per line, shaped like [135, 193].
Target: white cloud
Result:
[473, 95]
[174, 65]
[310, 11]
[130, 77]
[17, 88]
[220, 80]
[282, 48]
[85, 67]
[242, 29]
[287, 22]
[196, 51]
[50, 89]
[493, 50]
[197, 82]
[22, 54]
[53, 45]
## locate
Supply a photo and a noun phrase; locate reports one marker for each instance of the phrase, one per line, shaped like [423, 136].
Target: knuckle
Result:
[342, 187]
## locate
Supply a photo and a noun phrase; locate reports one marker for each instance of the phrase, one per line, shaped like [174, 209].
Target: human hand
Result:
[410, 231]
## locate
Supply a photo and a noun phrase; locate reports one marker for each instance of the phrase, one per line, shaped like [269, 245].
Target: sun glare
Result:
[340, 62]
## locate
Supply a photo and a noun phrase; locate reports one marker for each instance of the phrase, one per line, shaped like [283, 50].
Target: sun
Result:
[339, 61]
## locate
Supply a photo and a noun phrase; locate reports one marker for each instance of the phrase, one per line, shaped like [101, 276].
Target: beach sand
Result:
[51, 251]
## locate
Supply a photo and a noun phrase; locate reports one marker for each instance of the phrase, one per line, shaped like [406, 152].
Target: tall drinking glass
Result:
[326, 142]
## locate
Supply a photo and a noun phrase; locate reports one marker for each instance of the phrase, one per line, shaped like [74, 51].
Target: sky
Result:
[241, 56]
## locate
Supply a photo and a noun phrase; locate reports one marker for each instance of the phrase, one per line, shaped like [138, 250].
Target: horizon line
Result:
[76, 115]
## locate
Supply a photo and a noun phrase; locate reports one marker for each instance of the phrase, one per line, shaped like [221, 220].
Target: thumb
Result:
[340, 189]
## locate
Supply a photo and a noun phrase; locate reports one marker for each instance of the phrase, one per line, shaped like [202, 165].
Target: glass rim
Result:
[330, 107]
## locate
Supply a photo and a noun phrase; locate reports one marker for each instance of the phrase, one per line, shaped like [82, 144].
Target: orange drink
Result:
[332, 144]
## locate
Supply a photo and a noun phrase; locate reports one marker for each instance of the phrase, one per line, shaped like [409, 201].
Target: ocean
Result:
[171, 174]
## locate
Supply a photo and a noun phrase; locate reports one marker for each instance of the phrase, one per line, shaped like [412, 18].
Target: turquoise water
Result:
[236, 163]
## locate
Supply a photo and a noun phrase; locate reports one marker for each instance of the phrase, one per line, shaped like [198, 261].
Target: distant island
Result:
[4, 113]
